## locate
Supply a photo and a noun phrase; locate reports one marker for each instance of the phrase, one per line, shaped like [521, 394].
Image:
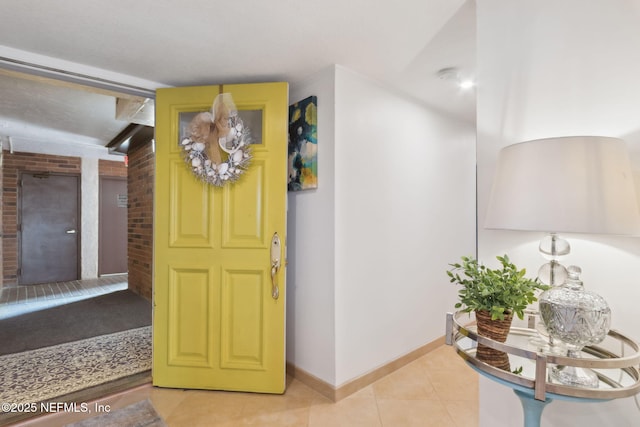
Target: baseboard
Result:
[335, 394]
[311, 381]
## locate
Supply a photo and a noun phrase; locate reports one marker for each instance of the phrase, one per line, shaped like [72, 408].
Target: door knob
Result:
[71, 231]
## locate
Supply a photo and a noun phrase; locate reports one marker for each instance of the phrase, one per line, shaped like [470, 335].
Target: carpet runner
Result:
[48, 373]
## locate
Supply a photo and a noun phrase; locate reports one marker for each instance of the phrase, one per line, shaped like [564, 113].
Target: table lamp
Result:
[573, 184]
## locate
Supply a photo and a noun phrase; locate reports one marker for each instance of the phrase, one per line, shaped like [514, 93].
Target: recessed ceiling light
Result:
[466, 84]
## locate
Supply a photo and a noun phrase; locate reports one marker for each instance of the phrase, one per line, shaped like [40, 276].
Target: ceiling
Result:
[401, 44]
[37, 111]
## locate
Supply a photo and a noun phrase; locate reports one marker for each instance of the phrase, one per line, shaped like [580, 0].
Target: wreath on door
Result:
[217, 145]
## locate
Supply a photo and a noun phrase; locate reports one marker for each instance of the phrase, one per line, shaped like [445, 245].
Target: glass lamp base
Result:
[574, 376]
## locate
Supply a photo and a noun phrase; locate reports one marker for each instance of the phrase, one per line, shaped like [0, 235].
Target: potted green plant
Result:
[495, 295]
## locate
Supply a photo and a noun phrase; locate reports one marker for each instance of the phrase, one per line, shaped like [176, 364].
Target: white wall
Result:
[311, 246]
[551, 68]
[369, 248]
[404, 209]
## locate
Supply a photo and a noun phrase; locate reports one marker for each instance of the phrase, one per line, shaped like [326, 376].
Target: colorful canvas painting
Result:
[303, 144]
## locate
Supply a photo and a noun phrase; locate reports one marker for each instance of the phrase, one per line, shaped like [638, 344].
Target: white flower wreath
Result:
[222, 128]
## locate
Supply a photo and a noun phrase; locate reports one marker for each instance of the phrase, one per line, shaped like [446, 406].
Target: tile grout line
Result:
[375, 397]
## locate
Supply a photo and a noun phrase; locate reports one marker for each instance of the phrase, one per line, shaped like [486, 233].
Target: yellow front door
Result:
[218, 322]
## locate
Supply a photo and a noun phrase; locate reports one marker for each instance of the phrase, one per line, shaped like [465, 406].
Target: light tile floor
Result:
[437, 389]
[18, 300]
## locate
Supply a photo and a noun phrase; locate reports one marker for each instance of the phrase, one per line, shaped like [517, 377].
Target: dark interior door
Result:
[112, 248]
[49, 228]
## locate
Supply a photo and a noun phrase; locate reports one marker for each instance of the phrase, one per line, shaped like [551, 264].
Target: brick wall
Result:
[112, 168]
[140, 219]
[12, 166]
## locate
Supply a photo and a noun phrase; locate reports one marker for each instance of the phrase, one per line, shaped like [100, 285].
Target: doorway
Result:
[48, 228]
[112, 246]
[70, 162]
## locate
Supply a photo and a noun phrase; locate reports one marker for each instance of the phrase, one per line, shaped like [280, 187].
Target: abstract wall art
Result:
[303, 145]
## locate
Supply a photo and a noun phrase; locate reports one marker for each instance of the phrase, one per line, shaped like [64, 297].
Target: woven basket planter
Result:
[497, 330]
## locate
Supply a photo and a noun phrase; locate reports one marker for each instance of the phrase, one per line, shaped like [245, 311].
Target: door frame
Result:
[78, 216]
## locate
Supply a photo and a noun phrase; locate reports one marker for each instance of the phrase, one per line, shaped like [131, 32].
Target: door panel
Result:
[190, 206]
[49, 224]
[189, 316]
[242, 328]
[245, 220]
[216, 324]
[112, 248]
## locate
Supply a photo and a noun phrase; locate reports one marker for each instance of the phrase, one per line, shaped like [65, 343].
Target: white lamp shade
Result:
[580, 184]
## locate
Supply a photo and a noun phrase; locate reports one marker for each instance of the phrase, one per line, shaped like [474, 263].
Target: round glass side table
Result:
[615, 361]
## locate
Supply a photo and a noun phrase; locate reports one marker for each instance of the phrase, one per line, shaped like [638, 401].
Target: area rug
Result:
[141, 414]
[50, 372]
